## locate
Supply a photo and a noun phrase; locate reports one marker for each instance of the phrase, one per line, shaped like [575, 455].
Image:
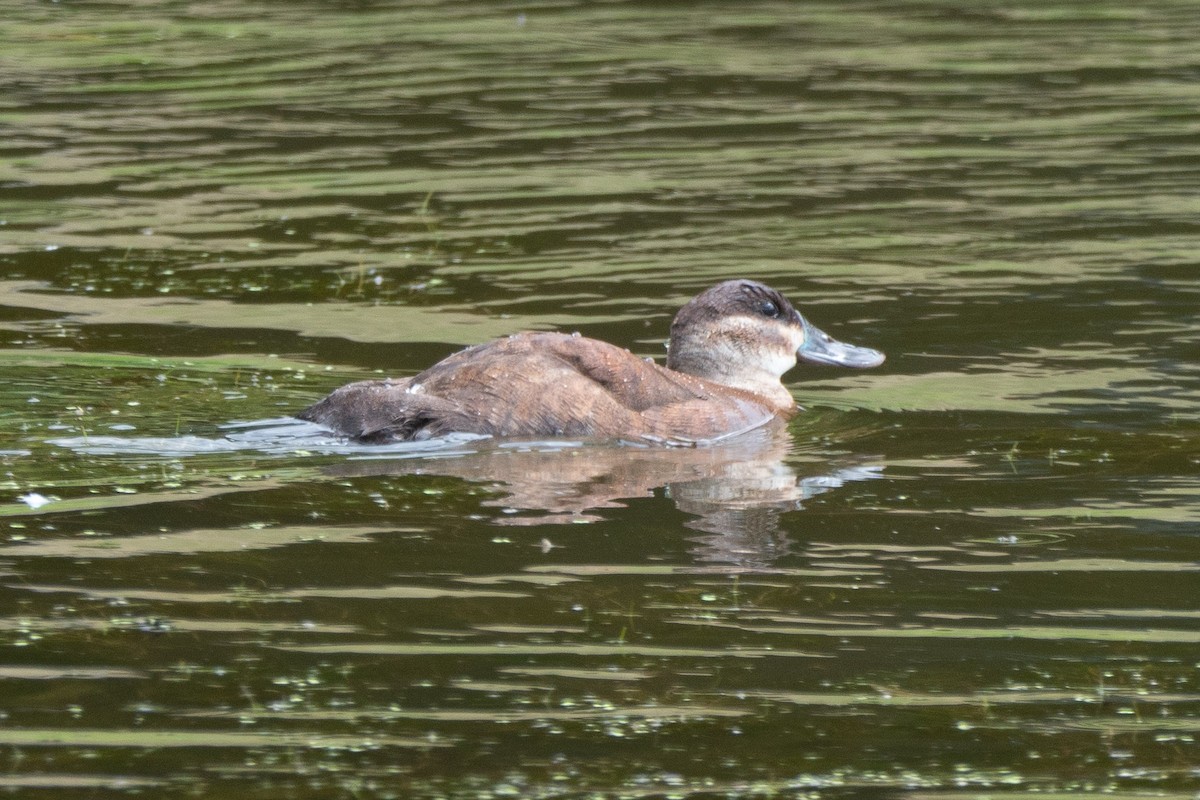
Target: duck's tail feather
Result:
[383, 411]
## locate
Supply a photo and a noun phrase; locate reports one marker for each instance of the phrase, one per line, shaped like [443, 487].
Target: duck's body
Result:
[538, 385]
[729, 348]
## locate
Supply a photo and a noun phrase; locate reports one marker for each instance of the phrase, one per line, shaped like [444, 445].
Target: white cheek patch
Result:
[779, 362]
[798, 336]
[757, 345]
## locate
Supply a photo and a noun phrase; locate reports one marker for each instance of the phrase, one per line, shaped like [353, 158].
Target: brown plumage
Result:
[729, 347]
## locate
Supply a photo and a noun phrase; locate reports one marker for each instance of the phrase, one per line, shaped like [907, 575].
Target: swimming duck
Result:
[728, 350]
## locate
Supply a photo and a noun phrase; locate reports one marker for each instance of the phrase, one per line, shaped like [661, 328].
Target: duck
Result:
[728, 350]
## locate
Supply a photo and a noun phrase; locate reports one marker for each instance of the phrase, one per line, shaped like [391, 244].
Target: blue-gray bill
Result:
[821, 348]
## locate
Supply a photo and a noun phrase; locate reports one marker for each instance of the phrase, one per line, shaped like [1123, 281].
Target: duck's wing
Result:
[668, 407]
[549, 384]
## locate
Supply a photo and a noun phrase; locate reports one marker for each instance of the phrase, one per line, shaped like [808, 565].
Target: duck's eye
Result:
[769, 309]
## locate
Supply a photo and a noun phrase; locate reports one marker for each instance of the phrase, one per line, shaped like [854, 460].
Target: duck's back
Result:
[540, 385]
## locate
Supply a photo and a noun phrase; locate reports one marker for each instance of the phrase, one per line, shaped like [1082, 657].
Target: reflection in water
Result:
[736, 490]
[745, 527]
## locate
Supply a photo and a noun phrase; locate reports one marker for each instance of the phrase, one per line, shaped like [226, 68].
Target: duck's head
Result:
[743, 334]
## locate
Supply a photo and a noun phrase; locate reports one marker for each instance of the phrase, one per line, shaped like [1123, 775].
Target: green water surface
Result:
[971, 573]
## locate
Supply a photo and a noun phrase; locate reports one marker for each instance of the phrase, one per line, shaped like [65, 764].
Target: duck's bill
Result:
[821, 348]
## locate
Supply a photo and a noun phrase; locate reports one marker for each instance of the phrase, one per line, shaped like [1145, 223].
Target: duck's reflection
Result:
[736, 491]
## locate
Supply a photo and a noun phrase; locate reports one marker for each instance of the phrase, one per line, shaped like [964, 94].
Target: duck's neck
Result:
[726, 363]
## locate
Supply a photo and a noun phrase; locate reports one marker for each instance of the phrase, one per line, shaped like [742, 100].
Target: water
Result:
[972, 571]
